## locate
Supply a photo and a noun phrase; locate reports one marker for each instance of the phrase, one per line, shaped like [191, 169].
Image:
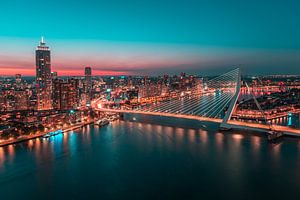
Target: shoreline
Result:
[38, 135]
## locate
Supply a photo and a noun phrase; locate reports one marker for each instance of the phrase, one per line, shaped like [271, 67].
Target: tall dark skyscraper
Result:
[43, 76]
[88, 85]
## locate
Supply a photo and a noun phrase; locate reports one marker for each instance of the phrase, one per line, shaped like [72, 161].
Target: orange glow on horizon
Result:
[12, 71]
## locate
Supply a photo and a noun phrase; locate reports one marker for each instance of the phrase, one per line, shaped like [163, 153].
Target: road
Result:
[233, 124]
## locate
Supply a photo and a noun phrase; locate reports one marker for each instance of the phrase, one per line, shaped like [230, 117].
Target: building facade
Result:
[43, 76]
[65, 94]
[88, 85]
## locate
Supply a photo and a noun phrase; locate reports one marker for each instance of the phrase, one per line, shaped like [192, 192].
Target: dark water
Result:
[133, 160]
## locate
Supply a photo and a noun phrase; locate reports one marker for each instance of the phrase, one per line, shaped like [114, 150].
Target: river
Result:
[151, 158]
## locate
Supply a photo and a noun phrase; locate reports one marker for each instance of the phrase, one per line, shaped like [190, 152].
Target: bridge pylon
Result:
[233, 103]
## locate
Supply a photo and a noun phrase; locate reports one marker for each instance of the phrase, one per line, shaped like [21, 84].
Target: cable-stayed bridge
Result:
[210, 103]
[215, 102]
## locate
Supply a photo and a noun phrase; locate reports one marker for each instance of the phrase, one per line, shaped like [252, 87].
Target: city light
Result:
[145, 99]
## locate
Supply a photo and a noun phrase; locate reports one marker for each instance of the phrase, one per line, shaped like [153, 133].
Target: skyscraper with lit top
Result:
[88, 85]
[43, 76]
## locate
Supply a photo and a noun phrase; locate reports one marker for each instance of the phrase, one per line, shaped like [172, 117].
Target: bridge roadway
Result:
[231, 123]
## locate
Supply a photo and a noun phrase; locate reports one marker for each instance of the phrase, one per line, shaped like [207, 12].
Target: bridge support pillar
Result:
[232, 106]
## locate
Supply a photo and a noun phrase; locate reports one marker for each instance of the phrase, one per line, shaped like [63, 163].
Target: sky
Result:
[148, 37]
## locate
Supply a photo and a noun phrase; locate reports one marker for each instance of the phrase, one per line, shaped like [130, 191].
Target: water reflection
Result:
[219, 137]
[137, 151]
[204, 136]
[2, 156]
[11, 153]
[256, 143]
[72, 143]
[37, 147]
[192, 135]
[276, 149]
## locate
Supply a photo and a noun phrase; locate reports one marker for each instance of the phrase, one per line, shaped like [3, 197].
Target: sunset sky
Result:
[150, 37]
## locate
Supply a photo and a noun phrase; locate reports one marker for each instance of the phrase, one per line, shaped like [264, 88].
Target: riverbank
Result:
[38, 135]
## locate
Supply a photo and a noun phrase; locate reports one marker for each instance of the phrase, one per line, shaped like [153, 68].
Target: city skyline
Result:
[121, 38]
[149, 99]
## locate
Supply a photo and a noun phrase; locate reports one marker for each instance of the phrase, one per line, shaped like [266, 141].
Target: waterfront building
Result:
[57, 93]
[88, 85]
[43, 76]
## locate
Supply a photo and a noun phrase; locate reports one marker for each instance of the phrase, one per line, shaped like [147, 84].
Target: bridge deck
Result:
[231, 124]
[163, 114]
[207, 107]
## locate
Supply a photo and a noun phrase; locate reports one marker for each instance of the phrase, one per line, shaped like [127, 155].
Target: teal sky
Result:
[139, 36]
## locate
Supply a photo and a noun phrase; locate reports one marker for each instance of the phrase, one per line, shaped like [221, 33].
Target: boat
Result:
[273, 135]
[102, 122]
[223, 128]
[50, 134]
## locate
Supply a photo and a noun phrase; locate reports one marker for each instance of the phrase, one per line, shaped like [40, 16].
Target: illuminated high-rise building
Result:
[88, 85]
[53, 75]
[18, 78]
[43, 76]
[18, 81]
[65, 94]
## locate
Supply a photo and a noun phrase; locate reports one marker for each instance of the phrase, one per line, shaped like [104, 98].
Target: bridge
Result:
[216, 102]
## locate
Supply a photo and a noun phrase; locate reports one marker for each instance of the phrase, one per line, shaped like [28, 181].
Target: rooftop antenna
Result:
[42, 40]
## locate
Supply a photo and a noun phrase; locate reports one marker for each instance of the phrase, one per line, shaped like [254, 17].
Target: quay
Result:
[38, 135]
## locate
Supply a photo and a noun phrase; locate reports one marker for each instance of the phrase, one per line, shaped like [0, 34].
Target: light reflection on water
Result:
[256, 143]
[148, 153]
[219, 137]
[2, 156]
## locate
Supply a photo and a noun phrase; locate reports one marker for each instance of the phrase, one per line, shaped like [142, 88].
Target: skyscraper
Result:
[43, 76]
[88, 85]
[18, 78]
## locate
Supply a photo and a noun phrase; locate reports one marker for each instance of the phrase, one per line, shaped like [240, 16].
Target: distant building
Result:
[43, 76]
[18, 78]
[21, 100]
[149, 90]
[132, 94]
[198, 85]
[53, 75]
